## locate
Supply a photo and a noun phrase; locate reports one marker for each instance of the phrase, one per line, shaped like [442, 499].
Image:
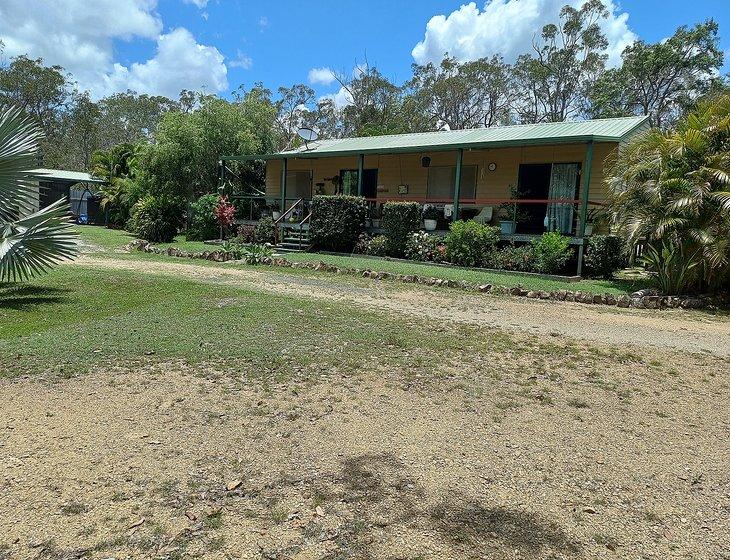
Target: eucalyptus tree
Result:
[30, 242]
[374, 104]
[663, 79]
[464, 94]
[568, 58]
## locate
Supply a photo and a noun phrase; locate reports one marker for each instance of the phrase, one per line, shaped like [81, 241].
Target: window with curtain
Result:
[563, 185]
[442, 180]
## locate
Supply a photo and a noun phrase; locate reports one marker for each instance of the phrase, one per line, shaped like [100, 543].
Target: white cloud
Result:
[199, 3]
[341, 98]
[179, 63]
[263, 22]
[79, 35]
[241, 61]
[507, 27]
[323, 76]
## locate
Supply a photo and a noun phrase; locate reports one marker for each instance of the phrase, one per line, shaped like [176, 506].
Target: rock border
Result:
[643, 299]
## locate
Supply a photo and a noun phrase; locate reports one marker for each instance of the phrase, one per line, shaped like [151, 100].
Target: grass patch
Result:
[616, 287]
[111, 239]
[76, 318]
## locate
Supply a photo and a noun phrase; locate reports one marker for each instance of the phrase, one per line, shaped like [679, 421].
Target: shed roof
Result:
[599, 130]
[62, 175]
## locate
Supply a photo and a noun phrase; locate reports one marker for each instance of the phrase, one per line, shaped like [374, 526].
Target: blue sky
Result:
[161, 46]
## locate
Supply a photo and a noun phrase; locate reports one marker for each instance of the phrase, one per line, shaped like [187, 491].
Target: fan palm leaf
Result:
[33, 243]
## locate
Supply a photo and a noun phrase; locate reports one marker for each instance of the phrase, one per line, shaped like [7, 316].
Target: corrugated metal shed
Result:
[62, 175]
[600, 130]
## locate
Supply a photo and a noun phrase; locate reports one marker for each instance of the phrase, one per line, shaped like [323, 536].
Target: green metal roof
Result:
[62, 175]
[600, 130]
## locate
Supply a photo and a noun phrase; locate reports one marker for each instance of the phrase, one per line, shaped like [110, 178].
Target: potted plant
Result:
[591, 218]
[431, 216]
[275, 212]
[510, 214]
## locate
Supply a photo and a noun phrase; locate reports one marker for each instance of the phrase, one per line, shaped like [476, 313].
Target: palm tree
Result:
[115, 166]
[673, 189]
[30, 243]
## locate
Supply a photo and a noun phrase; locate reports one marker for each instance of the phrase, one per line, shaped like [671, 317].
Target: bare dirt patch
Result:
[674, 329]
[518, 458]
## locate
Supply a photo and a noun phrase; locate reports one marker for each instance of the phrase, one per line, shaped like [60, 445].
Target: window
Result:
[299, 184]
[442, 179]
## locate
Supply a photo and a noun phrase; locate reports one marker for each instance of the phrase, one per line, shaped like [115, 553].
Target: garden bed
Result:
[644, 299]
[556, 277]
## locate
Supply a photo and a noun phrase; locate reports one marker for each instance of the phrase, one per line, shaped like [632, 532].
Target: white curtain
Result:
[563, 180]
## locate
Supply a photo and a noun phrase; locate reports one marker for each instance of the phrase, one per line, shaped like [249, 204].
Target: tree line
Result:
[564, 76]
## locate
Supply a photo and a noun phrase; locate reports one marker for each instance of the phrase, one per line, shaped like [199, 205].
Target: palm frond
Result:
[19, 137]
[32, 245]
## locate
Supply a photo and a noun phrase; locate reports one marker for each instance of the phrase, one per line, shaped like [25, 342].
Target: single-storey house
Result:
[541, 177]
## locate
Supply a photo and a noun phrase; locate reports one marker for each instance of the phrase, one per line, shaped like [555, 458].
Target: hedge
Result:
[337, 221]
[471, 243]
[400, 219]
[605, 255]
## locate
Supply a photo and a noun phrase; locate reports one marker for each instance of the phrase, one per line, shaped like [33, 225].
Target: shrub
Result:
[552, 251]
[520, 258]
[337, 221]
[156, 219]
[250, 254]
[421, 246]
[378, 246]
[257, 254]
[246, 233]
[399, 220]
[225, 212]
[264, 230]
[605, 255]
[673, 268]
[363, 241]
[471, 244]
[203, 224]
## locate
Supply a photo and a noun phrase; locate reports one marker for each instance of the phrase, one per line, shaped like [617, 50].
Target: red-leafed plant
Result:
[224, 212]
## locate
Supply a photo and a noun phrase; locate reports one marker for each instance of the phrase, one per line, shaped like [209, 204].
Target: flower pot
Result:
[508, 227]
[430, 225]
[276, 214]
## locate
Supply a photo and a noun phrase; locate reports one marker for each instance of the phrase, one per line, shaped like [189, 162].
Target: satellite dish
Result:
[442, 126]
[307, 134]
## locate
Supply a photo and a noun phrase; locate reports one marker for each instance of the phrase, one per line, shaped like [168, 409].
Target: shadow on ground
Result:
[383, 503]
[19, 297]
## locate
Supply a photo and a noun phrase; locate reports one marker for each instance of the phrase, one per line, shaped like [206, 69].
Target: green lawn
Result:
[111, 240]
[77, 317]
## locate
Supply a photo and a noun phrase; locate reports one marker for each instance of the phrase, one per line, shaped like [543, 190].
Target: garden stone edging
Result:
[643, 299]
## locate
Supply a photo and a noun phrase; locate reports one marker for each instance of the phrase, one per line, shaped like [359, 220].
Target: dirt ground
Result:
[169, 462]
[507, 458]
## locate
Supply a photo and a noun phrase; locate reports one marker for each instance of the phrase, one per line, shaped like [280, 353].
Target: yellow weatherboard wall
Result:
[397, 169]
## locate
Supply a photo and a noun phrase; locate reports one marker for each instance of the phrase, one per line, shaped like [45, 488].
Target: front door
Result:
[533, 183]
